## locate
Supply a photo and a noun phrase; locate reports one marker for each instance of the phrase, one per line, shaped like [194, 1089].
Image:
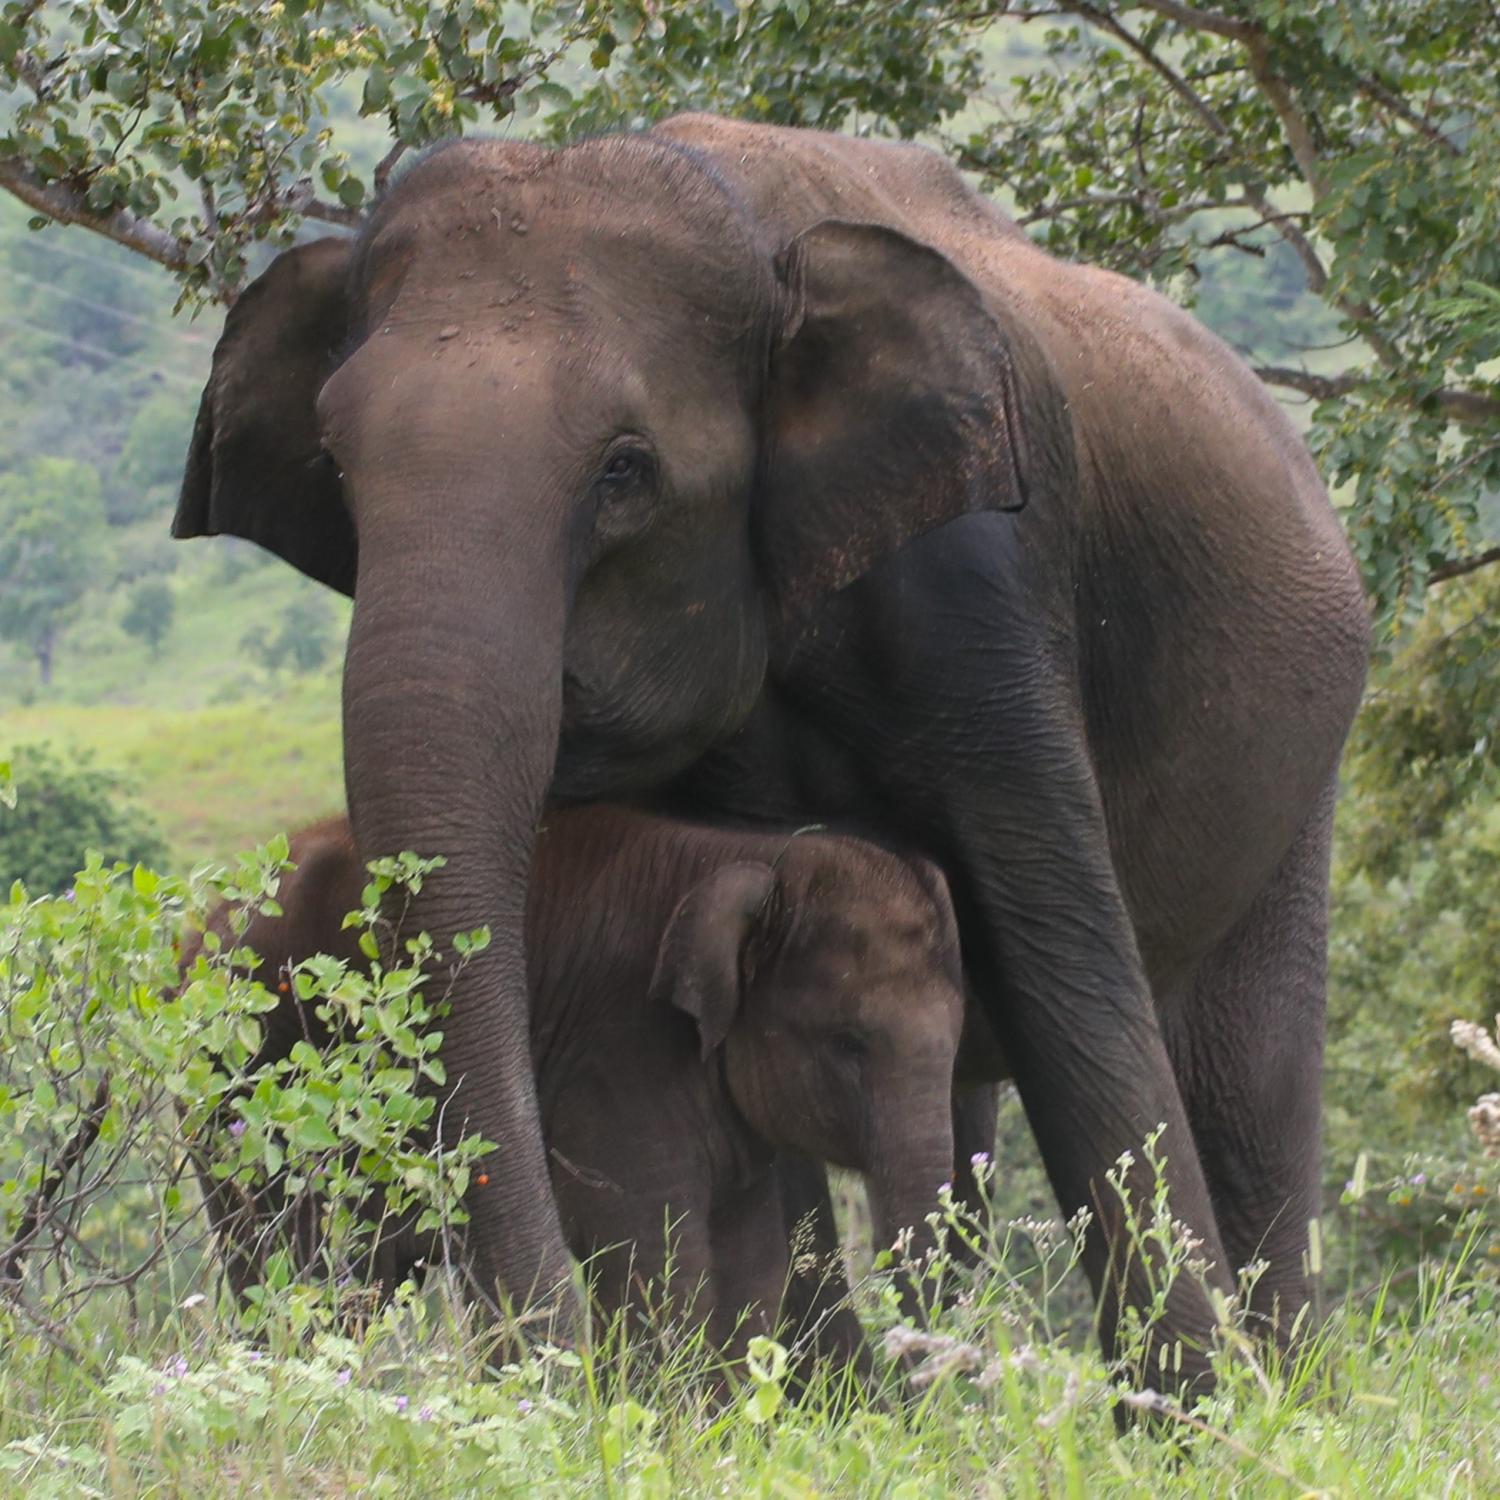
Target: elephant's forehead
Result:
[551, 231]
[864, 904]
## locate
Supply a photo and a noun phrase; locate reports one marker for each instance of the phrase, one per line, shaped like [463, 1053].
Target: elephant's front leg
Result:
[649, 1262]
[818, 1317]
[975, 1108]
[749, 1266]
[960, 693]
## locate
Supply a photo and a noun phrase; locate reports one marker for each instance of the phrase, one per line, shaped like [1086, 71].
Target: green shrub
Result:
[64, 808]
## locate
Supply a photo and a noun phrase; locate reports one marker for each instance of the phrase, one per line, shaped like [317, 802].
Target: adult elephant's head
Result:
[585, 443]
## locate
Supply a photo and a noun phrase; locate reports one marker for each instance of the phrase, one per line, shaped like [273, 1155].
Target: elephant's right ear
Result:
[698, 965]
[256, 467]
[893, 407]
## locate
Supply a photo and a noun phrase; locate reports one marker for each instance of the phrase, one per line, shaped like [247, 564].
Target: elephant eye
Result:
[325, 459]
[849, 1045]
[626, 466]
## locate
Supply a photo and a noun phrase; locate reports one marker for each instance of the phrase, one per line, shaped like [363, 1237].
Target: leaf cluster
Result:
[70, 806]
[126, 1088]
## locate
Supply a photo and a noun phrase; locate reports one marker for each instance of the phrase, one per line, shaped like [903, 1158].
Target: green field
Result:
[222, 753]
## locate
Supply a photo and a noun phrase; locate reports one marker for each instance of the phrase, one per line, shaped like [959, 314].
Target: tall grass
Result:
[1392, 1398]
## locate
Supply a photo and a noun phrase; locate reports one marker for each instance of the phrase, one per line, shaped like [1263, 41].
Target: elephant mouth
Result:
[610, 747]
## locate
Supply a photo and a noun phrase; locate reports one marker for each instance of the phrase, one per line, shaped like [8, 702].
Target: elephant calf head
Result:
[831, 983]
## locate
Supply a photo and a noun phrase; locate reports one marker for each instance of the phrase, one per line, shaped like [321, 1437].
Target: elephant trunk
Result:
[911, 1161]
[452, 703]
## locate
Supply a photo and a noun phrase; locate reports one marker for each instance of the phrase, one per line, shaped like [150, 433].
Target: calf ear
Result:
[698, 965]
[935, 884]
[892, 408]
[256, 467]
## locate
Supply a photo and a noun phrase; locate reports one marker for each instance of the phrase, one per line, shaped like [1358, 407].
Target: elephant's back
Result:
[790, 178]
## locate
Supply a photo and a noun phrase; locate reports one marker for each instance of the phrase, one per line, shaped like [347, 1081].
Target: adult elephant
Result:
[787, 447]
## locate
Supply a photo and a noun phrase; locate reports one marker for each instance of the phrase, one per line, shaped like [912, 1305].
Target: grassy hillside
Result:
[223, 752]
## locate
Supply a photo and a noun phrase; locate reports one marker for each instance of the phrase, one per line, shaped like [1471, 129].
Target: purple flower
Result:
[1420, 1180]
[523, 1406]
[237, 1128]
[980, 1159]
[342, 1378]
[425, 1415]
[70, 894]
[255, 1356]
[159, 1389]
[947, 1187]
[402, 1402]
[177, 1366]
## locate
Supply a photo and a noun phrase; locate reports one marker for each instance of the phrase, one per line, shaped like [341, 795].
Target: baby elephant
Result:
[700, 998]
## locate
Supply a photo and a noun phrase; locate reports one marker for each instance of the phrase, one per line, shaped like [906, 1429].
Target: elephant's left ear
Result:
[256, 466]
[892, 408]
[700, 960]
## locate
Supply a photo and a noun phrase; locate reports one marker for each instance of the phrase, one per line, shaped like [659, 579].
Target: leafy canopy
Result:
[1358, 140]
[1348, 150]
[188, 129]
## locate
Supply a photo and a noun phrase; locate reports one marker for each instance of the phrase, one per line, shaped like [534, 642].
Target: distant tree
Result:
[65, 806]
[53, 540]
[146, 474]
[148, 614]
[303, 639]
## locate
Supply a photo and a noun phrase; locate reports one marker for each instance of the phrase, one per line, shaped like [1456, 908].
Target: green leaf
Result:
[309, 1133]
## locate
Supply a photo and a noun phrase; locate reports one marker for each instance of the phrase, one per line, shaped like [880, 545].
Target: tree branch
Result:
[1373, 88]
[1201, 20]
[1257, 45]
[386, 166]
[1455, 404]
[1468, 406]
[1320, 387]
[1106, 21]
[1317, 274]
[66, 204]
[1298, 132]
[1459, 567]
[1142, 200]
[79, 1145]
[324, 211]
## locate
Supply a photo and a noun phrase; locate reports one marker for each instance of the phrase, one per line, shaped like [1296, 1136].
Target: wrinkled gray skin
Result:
[777, 474]
[700, 998]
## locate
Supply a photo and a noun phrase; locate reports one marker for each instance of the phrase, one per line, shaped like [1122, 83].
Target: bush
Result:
[65, 808]
[128, 1091]
[120, 1371]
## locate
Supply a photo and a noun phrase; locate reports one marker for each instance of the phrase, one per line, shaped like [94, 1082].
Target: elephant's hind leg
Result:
[1248, 1050]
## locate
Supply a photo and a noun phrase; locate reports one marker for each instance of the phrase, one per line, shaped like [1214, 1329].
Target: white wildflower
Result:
[1477, 1042]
